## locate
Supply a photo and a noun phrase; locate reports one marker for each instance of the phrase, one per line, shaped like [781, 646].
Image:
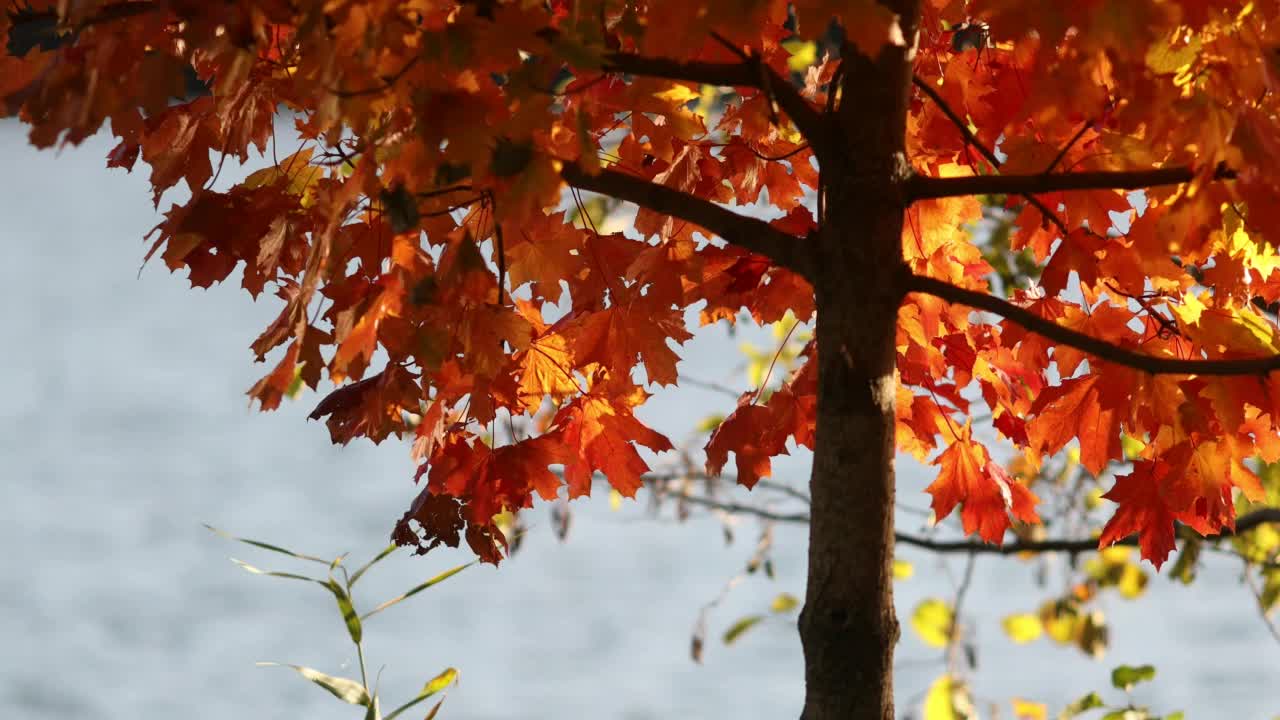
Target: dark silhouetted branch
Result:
[748, 233]
[921, 187]
[1074, 546]
[1101, 349]
[1244, 523]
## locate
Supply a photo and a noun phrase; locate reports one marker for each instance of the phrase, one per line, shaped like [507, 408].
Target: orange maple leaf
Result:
[1090, 408]
[988, 494]
[600, 433]
[1143, 509]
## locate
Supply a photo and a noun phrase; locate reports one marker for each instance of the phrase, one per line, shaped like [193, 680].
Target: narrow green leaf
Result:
[441, 681]
[1081, 705]
[1127, 714]
[437, 579]
[736, 630]
[385, 552]
[273, 573]
[346, 690]
[265, 546]
[347, 609]
[433, 686]
[1126, 676]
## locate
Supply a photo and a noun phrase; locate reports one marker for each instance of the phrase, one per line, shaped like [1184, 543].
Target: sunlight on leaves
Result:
[932, 620]
[1022, 627]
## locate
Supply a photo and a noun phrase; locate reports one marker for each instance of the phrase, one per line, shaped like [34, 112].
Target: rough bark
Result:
[848, 627]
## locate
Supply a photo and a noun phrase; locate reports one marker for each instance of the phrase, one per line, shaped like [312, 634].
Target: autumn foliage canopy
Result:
[430, 264]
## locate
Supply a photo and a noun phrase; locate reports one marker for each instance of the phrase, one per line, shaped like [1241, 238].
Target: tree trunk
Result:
[848, 627]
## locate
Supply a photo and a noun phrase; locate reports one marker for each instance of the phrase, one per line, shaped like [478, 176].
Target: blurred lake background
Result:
[124, 426]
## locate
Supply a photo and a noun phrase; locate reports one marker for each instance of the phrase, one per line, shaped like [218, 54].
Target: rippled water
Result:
[123, 426]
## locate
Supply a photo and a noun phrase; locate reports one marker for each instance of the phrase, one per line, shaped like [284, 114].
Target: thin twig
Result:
[1257, 596]
[1244, 523]
[768, 373]
[783, 488]
[1070, 143]
[709, 385]
[953, 636]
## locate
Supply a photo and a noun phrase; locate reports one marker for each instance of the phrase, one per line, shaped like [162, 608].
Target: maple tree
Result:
[421, 228]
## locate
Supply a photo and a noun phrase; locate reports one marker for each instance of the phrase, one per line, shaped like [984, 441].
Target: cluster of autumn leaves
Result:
[421, 226]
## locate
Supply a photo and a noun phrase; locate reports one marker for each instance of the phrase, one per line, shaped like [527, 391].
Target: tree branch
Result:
[921, 187]
[1152, 364]
[1244, 524]
[751, 72]
[740, 509]
[748, 233]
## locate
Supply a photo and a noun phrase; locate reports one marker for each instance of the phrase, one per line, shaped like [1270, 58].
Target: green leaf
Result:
[932, 620]
[736, 630]
[1081, 705]
[266, 546]
[784, 602]
[385, 552]
[348, 610]
[1126, 676]
[438, 578]
[1023, 627]
[1128, 714]
[273, 573]
[446, 678]
[346, 690]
